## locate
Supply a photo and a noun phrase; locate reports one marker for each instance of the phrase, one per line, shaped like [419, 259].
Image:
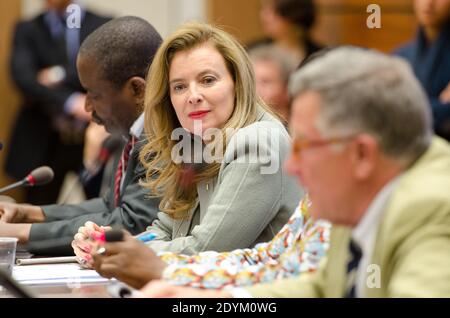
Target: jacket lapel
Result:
[336, 278]
[181, 226]
[205, 190]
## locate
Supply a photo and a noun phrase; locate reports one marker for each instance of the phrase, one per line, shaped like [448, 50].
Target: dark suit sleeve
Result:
[135, 213]
[24, 69]
[441, 117]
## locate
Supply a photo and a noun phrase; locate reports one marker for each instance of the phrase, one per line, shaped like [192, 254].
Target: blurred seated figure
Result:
[429, 55]
[273, 67]
[49, 129]
[287, 24]
[100, 151]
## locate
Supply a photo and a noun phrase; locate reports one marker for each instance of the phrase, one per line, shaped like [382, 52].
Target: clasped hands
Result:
[129, 261]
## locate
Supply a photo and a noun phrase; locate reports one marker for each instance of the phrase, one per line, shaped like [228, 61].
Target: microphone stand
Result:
[13, 186]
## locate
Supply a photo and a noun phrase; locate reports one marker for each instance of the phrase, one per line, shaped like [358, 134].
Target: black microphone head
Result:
[112, 142]
[110, 145]
[40, 176]
[114, 236]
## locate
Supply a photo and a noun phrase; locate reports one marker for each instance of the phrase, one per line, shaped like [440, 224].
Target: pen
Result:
[146, 237]
[117, 235]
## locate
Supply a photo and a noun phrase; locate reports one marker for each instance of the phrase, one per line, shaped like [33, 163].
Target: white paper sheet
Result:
[56, 274]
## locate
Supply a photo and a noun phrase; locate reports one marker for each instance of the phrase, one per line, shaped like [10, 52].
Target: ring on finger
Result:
[101, 250]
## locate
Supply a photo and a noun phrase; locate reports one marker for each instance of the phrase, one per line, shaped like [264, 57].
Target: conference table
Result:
[60, 281]
[90, 290]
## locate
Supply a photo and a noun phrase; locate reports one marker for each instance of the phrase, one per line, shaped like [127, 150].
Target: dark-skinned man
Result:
[112, 63]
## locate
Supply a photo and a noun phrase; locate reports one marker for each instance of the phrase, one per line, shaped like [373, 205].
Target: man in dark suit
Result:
[429, 56]
[50, 125]
[112, 64]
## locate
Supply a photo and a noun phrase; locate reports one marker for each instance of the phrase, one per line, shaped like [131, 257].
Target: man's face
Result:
[432, 13]
[114, 108]
[270, 85]
[273, 25]
[324, 171]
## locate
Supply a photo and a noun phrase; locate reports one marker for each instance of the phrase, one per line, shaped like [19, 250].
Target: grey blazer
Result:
[242, 206]
[134, 213]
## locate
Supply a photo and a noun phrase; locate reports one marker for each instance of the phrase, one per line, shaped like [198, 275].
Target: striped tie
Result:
[352, 267]
[123, 163]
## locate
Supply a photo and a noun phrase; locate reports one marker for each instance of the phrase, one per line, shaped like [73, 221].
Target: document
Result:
[49, 274]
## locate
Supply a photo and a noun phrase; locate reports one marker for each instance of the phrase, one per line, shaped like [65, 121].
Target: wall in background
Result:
[344, 22]
[164, 15]
[9, 99]
[338, 21]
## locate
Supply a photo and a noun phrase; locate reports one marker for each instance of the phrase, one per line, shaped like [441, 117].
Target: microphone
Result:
[109, 146]
[37, 177]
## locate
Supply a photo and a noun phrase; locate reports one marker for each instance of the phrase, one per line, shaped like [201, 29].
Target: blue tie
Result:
[352, 267]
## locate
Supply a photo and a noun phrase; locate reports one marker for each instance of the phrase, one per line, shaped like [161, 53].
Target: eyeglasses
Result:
[302, 144]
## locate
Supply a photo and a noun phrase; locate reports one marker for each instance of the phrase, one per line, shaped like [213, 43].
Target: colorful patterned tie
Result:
[123, 163]
[352, 267]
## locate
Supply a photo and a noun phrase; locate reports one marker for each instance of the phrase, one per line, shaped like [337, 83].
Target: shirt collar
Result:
[365, 231]
[138, 127]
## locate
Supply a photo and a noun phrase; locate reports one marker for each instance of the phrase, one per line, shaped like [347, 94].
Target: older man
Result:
[364, 148]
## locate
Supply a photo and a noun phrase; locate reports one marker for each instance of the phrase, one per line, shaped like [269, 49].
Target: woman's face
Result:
[274, 25]
[432, 13]
[201, 88]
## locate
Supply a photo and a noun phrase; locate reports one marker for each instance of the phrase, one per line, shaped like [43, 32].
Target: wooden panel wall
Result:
[9, 100]
[339, 21]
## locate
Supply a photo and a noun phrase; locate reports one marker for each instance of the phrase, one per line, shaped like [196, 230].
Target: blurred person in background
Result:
[273, 67]
[50, 125]
[429, 55]
[115, 83]
[287, 24]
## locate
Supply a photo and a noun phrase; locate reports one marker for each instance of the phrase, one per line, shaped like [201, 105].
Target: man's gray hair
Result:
[367, 91]
[282, 59]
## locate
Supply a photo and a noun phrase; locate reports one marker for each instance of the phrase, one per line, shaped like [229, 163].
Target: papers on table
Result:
[49, 274]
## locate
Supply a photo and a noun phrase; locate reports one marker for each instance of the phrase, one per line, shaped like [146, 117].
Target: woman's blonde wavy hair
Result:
[162, 174]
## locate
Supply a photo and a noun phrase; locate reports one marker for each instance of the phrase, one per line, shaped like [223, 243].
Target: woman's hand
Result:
[130, 261]
[83, 243]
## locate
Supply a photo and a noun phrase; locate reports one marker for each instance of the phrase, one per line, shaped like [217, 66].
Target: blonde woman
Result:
[201, 87]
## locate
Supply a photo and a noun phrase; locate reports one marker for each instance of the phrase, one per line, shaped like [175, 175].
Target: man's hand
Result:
[20, 231]
[130, 261]
[51, 76]
[20, 213]
[93, 141]
[444, 97]
[162, 289]
[78, 110]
